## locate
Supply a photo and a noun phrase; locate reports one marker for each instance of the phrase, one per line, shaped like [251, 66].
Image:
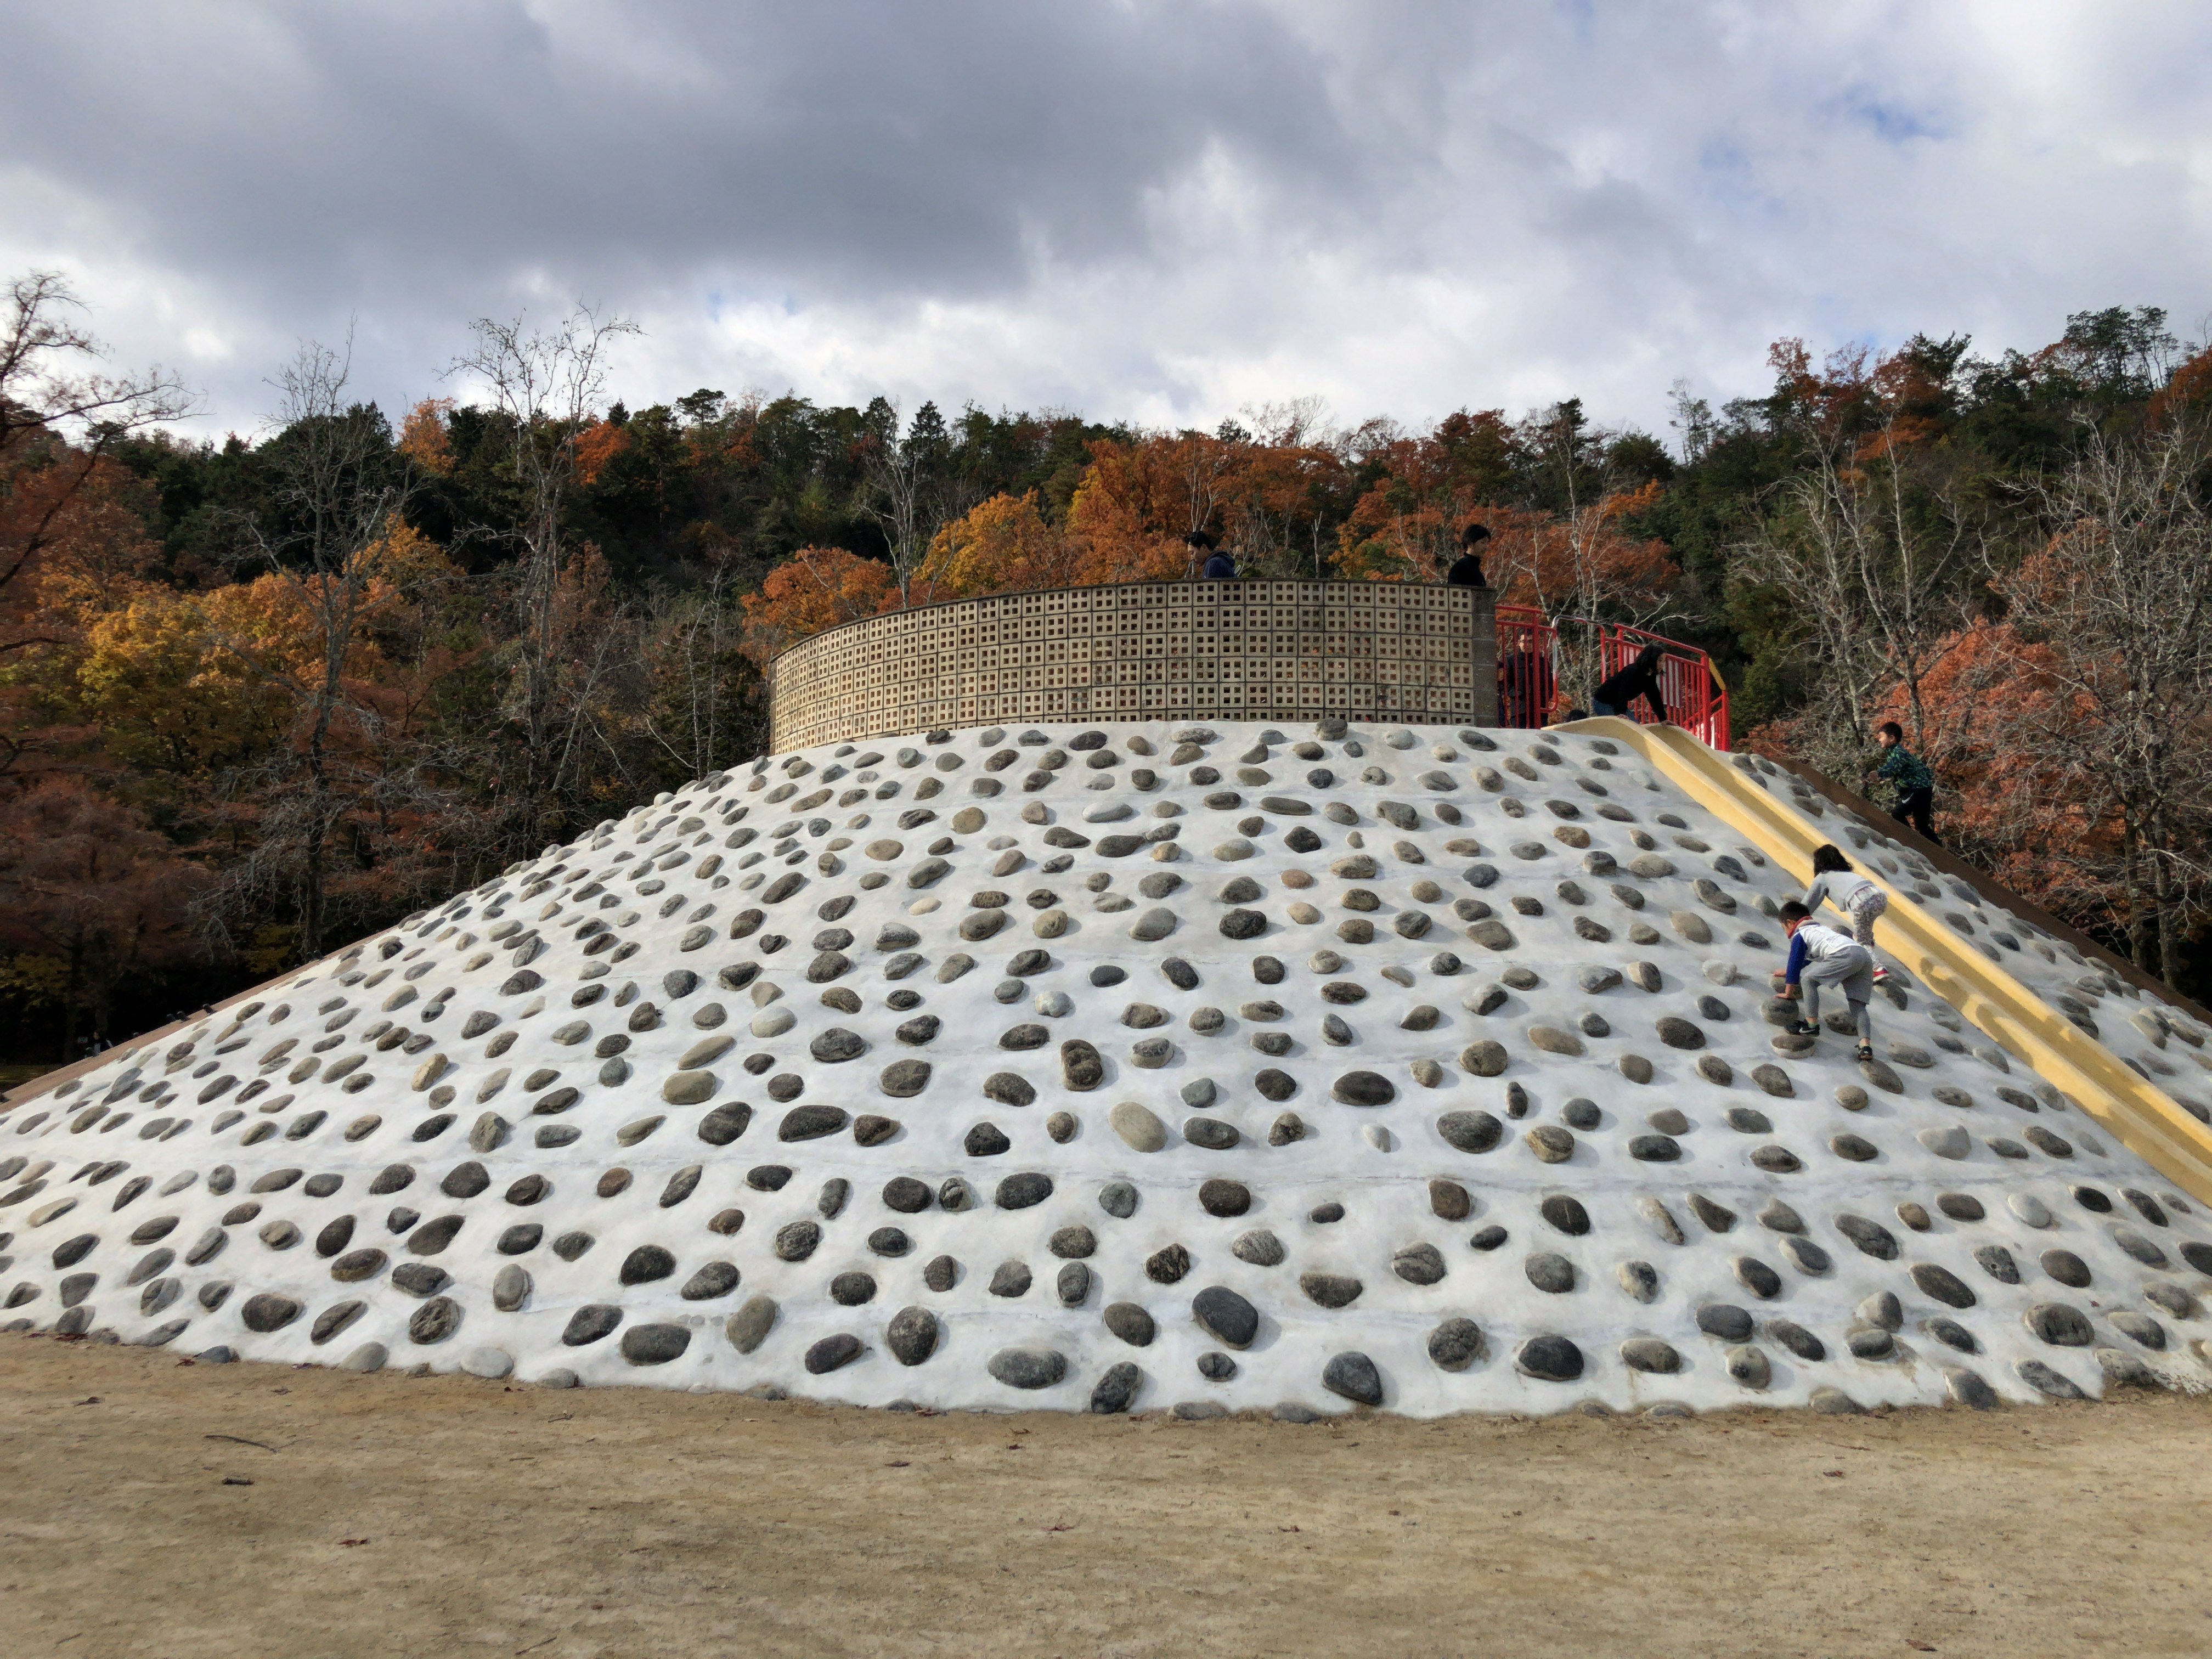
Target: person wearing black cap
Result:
[1467, 570]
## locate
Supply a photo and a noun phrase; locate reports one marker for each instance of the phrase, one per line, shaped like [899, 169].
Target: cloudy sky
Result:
[1163, 212]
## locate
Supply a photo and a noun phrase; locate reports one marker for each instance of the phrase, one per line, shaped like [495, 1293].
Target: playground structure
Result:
[1124, 1057]
[1532, 686]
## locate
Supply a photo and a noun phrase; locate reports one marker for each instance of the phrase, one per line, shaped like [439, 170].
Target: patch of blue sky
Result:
[1891, 121]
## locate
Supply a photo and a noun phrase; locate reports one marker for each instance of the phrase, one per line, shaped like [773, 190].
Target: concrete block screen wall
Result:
[1234, 650]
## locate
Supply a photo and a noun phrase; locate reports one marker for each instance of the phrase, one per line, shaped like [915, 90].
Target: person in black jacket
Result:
[1466, 570]
[1218, 566]
[1618, 695]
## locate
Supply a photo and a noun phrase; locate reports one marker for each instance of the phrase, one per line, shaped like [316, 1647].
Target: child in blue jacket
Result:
[1820, 955]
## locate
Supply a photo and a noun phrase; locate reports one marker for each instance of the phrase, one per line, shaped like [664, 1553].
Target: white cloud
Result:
[1157, 211]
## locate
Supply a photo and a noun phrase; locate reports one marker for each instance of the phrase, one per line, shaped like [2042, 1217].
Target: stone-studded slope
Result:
[1126, 1067]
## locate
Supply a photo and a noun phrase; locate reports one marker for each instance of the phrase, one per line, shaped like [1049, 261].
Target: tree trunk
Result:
[70, 989]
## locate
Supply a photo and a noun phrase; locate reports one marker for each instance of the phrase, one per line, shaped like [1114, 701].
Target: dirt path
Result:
[436, 1516]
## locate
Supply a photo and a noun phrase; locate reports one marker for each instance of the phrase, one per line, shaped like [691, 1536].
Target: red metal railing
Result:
[1530, 691]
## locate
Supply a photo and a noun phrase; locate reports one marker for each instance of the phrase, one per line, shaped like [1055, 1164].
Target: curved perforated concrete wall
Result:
[1223, 650]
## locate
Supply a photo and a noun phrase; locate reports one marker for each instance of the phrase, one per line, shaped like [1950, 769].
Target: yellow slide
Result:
[2139, 1115]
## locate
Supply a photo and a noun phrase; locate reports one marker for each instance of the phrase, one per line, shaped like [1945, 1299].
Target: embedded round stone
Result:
[1354, 1376]
[434, 1321]
[1138, 1127]
[2061, 1325]
[1551, 1272]
[1870, 1237]
[2047, 1382]
[1549, 1359]
[1081, 1066]
[689, 1088]
[832, 1353]
[1211, 1133]
[903, 1078]
[1473, 1132]
[1727, 1322]
[1130, 1322]
[2068, 1268]
[268, 1312]
[1757, 1277]
[591, 1322]
[1455, 1344]
[911, 1336]
[1551, 1143]
[1364, 1089]
[811, 1122]
[1020, 1192]
[725, 1123]
[1649, 1354]
[1943, 1284]
[654, 1344]
[1749, 1366]
[1330, 1290]
[749, 1327]
[1009, 1089]
[1028, 1367]
[1225, 1316]
[1225, 1197]
[1419, 1264]
[1484, 1057]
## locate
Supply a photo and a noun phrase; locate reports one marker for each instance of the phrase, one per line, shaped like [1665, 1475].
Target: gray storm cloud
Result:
[1153, 211]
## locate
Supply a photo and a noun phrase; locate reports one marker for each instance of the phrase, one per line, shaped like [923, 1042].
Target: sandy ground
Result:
[390, 1515]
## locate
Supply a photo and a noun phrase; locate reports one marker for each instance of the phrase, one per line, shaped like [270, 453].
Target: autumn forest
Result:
[262, 696]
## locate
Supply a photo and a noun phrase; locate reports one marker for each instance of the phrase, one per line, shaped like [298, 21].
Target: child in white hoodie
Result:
[1836, 883]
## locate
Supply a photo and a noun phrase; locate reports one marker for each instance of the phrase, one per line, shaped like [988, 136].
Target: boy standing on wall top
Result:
[1914, 782]
[1820, 955]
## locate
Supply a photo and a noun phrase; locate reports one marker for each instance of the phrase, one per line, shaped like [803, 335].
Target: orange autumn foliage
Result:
[1405, 528]
[1584, 563]
[1137, 501]
[423, 439]
[816, 588]
[1002, 546]
[596, 445]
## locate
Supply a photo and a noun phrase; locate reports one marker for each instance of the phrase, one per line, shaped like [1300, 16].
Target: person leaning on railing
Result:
[1618, 695]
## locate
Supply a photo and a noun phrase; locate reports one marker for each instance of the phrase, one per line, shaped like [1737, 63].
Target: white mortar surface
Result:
[111, 1155]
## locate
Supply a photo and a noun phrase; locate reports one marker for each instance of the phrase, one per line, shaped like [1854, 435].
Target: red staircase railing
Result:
[1530, 692]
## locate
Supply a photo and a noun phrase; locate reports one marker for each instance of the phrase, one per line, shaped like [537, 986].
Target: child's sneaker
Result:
[1866, 1052]
[1804, 1028]
[1881, 976]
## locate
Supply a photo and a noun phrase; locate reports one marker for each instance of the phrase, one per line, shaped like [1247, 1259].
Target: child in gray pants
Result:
[1820, 955]
[1835, 882]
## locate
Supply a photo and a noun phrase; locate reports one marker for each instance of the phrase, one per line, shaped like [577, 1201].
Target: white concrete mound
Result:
[1129, 1067]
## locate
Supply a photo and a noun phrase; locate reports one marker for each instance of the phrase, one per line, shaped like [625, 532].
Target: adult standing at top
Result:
[1467, 570]
[1206, 553]
[1618, 695]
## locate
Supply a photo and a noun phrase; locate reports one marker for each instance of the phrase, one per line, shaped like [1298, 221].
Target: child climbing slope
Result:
[1836, 883]
[1820, 955]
